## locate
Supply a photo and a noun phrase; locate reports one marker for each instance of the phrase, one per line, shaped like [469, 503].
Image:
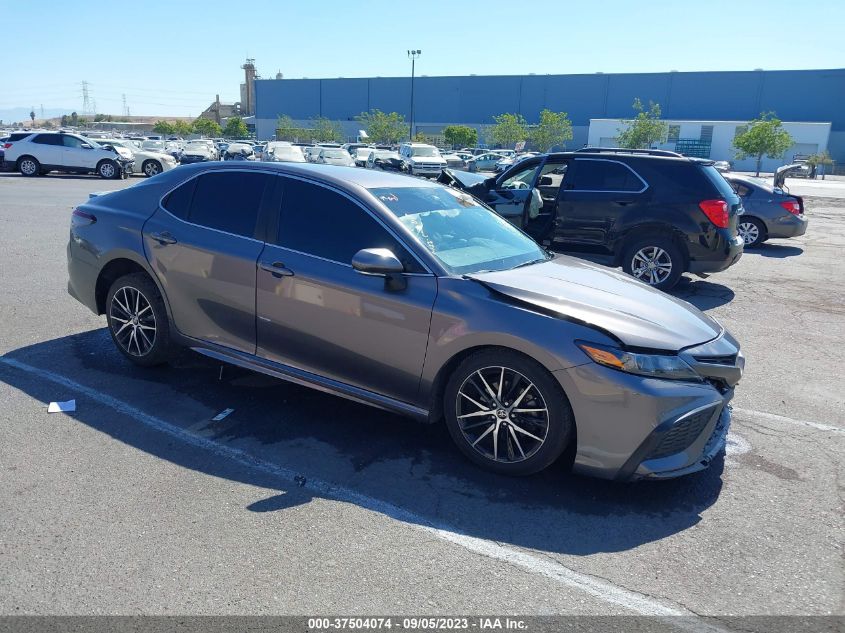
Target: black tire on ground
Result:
[752, 230]
[108, 169]
[29, 166]
[663, 252]
[151, 168]
[141, 334]
[519, 454]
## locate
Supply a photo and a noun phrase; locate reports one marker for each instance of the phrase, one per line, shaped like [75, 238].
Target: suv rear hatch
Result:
[724, 191]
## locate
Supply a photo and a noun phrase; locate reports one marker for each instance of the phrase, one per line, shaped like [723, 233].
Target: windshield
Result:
[153, 145]
[334, 153]
[424, 151]
[463, 235]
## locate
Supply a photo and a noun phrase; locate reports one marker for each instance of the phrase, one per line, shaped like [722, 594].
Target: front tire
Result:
[506, 413]
[656, 261]
[29, 166]
[137, 320]
[752, 232]
[108, 169]
[151, 168]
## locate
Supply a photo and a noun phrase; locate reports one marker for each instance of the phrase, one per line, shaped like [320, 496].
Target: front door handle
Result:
[163, 238]
[278, 269]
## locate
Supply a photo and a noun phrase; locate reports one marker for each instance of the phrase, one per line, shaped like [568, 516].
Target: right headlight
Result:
[653, 365]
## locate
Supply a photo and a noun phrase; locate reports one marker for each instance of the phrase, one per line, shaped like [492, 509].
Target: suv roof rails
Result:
[622, 150]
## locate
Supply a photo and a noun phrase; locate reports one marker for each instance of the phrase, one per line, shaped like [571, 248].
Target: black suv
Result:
[655, 213]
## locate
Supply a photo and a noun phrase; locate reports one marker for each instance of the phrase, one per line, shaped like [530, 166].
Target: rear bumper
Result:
[727, 252]
[788, 225]
[82, 278]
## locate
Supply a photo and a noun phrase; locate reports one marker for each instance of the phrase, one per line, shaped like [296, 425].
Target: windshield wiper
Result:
[532, 262]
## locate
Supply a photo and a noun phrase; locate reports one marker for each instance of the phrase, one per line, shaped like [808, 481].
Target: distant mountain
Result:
[8, 115]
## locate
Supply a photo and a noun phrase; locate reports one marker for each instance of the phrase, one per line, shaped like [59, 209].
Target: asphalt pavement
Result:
[303, 503]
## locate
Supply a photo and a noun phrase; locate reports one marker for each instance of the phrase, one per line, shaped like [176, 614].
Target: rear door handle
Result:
[163, 238]
[278, 269]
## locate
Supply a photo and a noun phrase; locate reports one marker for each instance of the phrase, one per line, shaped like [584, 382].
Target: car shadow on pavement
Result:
[387, 461]
[778, 251]
[704, 295]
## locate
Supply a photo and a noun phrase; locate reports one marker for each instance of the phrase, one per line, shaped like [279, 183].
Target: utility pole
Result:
[125, 107]
[86, 100]
[413, 54]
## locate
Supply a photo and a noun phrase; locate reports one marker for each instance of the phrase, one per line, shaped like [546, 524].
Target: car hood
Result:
[633, 312]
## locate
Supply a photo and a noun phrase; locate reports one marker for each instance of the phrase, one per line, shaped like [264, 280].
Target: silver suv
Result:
[42, 152]
[412, 297]
[419, 159]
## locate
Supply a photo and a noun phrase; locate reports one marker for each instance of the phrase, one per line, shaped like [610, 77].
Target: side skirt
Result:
[308, 379]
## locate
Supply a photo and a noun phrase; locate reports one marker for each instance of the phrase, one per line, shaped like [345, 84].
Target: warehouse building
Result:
[794, 95]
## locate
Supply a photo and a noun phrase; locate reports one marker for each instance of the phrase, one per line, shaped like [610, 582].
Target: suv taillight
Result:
[792, 206]
[6, 145]
[716, 211]
[81, 218]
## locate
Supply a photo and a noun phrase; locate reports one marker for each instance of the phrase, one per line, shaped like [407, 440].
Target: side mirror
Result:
[545, 181]
[87, 146]
[377, 261]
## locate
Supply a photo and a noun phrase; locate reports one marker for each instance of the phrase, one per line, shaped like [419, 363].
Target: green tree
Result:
[326, 131]
[182, 128]
[235, 128]
[206, 127]
[644, 130]
[65, 120]
[822, 158]
[509, 130]
[460, 135]
[763, 136]
[554, 129]
[382, 127]
[74, 119]
[286, 129]
[165, 128]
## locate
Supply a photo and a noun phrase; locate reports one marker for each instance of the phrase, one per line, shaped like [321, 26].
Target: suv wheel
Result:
[28, 166]
[752, 232]
[656, 261]
[137, 320]
[108, 169]
[151, 168]
[506, 413]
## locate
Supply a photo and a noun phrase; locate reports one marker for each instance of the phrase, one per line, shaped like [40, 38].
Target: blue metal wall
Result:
[800, 95]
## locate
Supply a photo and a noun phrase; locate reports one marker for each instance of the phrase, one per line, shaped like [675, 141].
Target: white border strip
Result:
[751, 413]
[598, 588]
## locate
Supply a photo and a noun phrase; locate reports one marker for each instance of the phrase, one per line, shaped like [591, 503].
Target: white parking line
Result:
[596, 587]
[762, 415]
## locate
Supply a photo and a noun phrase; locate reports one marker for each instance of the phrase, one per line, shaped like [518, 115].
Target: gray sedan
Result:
[769, 211]
[412, 297]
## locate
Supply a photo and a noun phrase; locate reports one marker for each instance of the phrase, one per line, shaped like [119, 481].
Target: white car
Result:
[283, 152]
[39, 153]
[147, 162]
[239, 151]
[335, 156]
[419, 159]
[361, 155]
[197, 152]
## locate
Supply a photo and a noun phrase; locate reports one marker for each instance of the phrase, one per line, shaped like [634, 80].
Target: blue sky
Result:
[172, 56]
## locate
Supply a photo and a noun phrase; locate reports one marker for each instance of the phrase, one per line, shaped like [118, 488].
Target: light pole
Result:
[413, 55]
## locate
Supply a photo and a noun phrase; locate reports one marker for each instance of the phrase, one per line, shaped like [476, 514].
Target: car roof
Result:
[346, 178]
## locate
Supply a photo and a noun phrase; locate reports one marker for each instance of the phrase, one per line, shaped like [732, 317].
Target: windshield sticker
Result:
[389, 197]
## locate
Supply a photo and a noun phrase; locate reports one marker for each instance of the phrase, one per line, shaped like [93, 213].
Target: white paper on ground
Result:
[60, 407]
[222, 414]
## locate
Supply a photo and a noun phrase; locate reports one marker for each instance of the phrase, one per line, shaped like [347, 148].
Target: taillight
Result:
[792, 206]
[6, 145]
[81, 218]
[716, 211]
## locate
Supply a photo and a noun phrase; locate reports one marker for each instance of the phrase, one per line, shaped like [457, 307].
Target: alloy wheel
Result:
[502, 414]
[133, 321]
[652, 265]
[107, 170]
[28, 166]
[152, 169]
[749, 232]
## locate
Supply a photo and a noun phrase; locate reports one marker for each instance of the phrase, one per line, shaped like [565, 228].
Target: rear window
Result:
[18, 136]
[716, 179]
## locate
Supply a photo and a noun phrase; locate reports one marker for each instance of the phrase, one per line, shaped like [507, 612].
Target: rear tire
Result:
[29, 166]
[151, 168]
[656, 261]
[752, 231]
[505, 430]
[137, 320]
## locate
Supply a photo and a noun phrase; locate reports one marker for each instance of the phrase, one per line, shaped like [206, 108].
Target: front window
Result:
[334, 153]
[463, 235]
[425, 152]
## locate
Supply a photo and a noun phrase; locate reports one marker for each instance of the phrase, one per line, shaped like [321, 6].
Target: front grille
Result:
[684, 433]
[717, 360]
